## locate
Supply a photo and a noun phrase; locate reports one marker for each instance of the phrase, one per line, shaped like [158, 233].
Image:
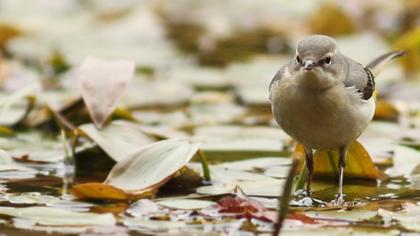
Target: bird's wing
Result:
[361, 78]
[376, 64]
[278, 76]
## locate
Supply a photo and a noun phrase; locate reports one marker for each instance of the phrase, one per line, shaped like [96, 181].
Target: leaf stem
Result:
[205, 165]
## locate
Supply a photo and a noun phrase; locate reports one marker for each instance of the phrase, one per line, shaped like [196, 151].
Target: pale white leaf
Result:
[185, 204]
[55, 216]
[151, 165]
[102, 83]
[118, 139]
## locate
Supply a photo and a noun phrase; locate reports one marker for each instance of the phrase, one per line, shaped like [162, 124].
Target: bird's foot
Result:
[304, 198]
[338, 201]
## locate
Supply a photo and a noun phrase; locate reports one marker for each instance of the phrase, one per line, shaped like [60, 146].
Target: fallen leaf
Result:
[102, 83]
[358, 163]
[98, 191]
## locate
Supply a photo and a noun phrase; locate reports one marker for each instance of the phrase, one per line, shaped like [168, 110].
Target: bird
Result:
[324, 100]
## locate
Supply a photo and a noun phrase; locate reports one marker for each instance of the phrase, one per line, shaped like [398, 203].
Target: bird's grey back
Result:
[359, 77]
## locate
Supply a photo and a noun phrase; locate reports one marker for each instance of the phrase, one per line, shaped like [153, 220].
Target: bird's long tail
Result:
[377, 64]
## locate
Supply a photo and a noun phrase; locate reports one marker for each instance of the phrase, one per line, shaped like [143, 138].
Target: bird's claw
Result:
[338, 201]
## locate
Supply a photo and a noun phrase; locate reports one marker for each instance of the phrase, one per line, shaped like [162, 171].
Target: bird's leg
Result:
[310, 167]
[341, 164]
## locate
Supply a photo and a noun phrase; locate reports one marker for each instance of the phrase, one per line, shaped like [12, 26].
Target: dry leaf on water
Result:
[142, 173]
[102, 83]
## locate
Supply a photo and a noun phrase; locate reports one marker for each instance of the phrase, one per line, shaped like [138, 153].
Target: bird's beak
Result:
[308, 64]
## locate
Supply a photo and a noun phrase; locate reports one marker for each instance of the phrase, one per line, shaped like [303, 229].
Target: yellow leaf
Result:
[358, 163]
[410, 42]
[97, 191]
[386, 111]
[329, 19]
[7, 32]
[105, 192]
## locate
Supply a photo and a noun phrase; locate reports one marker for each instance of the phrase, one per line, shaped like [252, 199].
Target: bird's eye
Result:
[298, 60]
[327, 60]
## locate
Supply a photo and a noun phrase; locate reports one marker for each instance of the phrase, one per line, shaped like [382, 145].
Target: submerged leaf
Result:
[102, 83]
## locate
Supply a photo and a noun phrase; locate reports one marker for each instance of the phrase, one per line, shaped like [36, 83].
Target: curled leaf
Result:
[141, 174]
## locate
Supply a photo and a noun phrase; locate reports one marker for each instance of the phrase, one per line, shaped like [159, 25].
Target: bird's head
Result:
[317, 56]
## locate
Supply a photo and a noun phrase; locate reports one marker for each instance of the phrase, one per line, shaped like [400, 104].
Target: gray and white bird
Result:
[324, 100]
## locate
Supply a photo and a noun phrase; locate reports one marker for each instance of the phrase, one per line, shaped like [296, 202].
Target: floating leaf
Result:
[226, 180]
[185, 204]
[229, 142]
[160, 225]
[143, 207]
[102, 83]
[256, 163]
[404, 161]
[408, 217]
[351, 215]
[55, 216]
[142, 173]
[118, 139]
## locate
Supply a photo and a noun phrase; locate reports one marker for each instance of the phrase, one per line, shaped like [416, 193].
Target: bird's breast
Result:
[319, 118]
